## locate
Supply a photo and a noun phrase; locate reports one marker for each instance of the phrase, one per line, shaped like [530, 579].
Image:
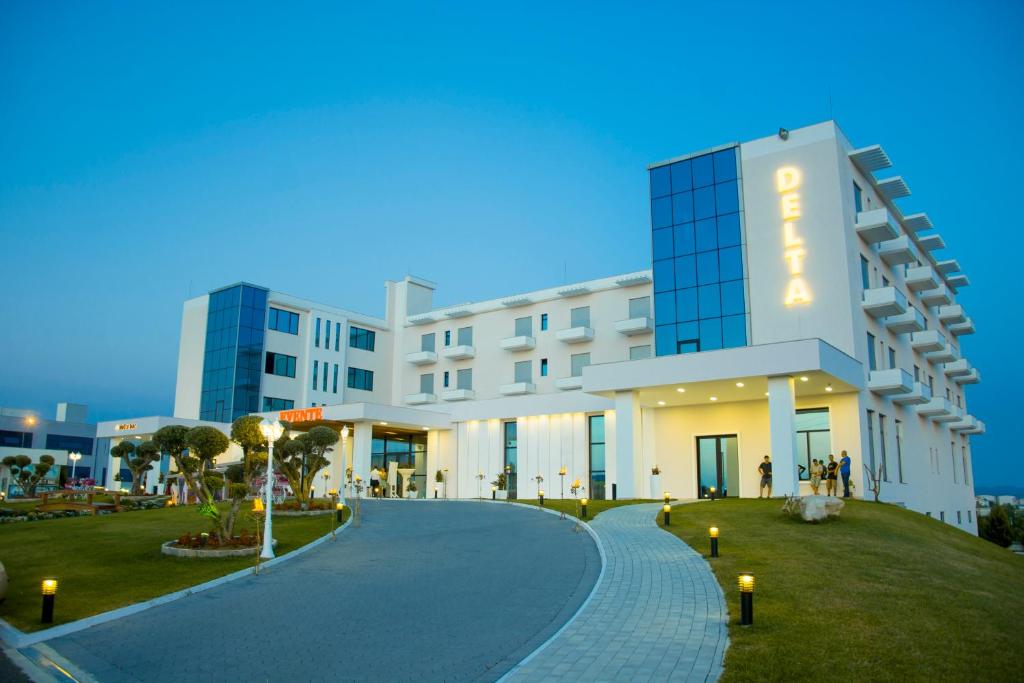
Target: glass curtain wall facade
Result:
[596, 457]
[512, 459]
[700, 301]
[408, 451]
[233, 362]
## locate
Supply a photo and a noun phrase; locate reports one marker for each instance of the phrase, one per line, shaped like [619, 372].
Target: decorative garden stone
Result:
[819, 508]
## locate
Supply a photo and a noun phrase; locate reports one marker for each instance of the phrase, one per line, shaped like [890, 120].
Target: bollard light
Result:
[667, 496]
[49, 590]
[339, 511]
[583, 502]
[257, 505]
[711, 491]
[713, 533]
[494, 493]
[746, 583]
[666, 511]
[541, 496]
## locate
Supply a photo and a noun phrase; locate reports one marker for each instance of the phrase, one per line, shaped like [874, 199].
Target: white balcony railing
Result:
[972, 377]
[911, 321]
[921, 393]
[938, 407]
[927, 341]
[936, 297]
[568, 383]
[896, 251]
[634, 326]
[421, 357]
[458, 395]
[890, 382]
[519, 343]
[880, 302]
[575, 335]
[947, 354]
[517, 389]
[875, 226]
[459, 352]
[957, 368]
[966, 327]
[420, 399]
[952, 315]
[922, 278]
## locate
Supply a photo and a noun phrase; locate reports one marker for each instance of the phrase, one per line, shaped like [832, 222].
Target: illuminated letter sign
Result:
[126, 427]
[302, 415]
[787, 181]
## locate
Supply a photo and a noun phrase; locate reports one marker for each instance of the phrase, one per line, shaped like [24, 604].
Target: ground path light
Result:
[746, 583]
[666, 511]
[711, 491]
[49, 595]
[713, 533]
[667, 496]
[541, 497]
[583, 502]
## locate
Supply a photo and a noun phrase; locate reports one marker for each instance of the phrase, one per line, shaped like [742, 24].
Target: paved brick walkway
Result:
[657, 615]
[422, 591]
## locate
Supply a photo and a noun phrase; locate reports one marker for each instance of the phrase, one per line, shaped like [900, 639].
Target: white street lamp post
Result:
[74, 457]
[272, 431]
[344, 479]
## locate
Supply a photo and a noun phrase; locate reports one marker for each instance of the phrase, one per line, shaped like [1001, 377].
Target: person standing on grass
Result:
[765, 470]
[830, 477]
[816, 472]
[844, 470]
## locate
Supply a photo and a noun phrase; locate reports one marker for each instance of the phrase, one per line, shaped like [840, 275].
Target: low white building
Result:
[791, 308]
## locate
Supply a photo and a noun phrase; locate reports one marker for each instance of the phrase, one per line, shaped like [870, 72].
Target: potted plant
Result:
[410, 489]
[501, 482]
[439, 481]
[656, 490]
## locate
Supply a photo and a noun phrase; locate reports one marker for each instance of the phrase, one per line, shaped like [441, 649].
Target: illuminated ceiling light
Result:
[828, 388]
[425, 428]
[766, 393]
[681, 390]
[739, 384]
[661, 403]
[714, 398]
[383, 424]
[803, 378]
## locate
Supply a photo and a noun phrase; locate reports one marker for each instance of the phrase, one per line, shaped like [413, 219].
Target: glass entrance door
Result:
[718, 464]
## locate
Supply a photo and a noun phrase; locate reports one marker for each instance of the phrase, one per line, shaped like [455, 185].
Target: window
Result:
[579, 317]
[316, 342]
[578, 361]
[596, 456]
[316, 366]
[931, 384]
[447, 337]
[640, 307]
[427, 342]
[465, 336]
[885, 281]
[871, 442]
[942, 515]
[524, 371]
[813, 438]
[959, 519]
[271, 403]
[543, 367]
[360, 379]
[236, 323]
[899, 452]
[464, 379]
[283, 321]
[427, 383]
[445, 382]
[917, 374]
[337, 335]
[871, 352]
[62, 442]
[524, 327]
[15, 439]
[358, 338]
[881, 443]
[543, 322]
[892, 358]
[327, 336]
[858, 198]
[511, 456]
[969, 519]
[334, 385]
[280, 364]
[326, 366]
[967, 477]
[640, 352]
[952, 459]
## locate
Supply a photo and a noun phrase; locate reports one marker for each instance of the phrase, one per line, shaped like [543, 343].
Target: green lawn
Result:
[594, 507]
[879, 594]
[110, 561]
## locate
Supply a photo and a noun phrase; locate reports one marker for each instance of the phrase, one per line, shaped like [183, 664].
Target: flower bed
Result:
[203, 541]
[173, 549]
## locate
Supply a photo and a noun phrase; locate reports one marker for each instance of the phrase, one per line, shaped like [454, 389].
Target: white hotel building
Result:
[791, 309]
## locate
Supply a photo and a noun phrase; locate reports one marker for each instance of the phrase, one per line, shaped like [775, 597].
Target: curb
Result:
[19, 639]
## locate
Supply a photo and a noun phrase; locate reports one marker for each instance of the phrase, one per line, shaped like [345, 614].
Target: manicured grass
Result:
[110, 561]
[594, 507]
[879, 594]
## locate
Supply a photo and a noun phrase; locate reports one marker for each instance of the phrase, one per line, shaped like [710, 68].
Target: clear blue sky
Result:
[150, 150]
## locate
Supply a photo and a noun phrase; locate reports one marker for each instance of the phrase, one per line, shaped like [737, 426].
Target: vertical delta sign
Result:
[787, 181]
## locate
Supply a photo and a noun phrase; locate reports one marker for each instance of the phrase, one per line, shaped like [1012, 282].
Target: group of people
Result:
[832, 472]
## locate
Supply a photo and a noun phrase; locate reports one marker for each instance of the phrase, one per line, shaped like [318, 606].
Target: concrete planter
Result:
[212, 553]
[501, 495]
[300, 513]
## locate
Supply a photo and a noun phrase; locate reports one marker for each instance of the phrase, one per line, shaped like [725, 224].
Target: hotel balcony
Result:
[948, 267]
[520, 343]
[567, 383]
[421, 357]
[968, 422]
[911, 321]
[957, 368]
[978, 428]
[927, 341]
[420, 399]
[459, 395]
[922, 278]
[955, 282]
[938, 407]
[459, 352]
[972, 377]
[899, 250]
[947, 354]
[517, 389]
[966, 327]
[890, 382]
[635, 326]
[884, 301]
[931, 242]
[875, 226]
[952, 315]
[918, 395]
[955, 415]
[575, 335]
[936, 297]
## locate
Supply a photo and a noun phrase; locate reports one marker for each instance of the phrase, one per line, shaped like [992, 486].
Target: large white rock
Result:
[818, 508]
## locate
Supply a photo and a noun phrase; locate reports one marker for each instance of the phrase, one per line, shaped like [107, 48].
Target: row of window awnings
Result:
[874, 158]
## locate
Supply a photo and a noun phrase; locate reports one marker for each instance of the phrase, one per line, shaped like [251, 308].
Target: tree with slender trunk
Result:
[245, 431]
[301, 458]
[26, 474]
[138, 459]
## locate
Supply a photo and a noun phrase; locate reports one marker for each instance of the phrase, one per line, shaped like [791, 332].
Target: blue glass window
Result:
[681, 179]
[682, 207]
[279, 364]
[327, 337]
[704, 203]
[730, 263]
[707, 268]
[707, 234]
[358, 338]
[684, 239]
[660, 182]
[725, 165]
[686, 271]
[334, 384]
[727, 198]
[733, 298]
[62, 442]
[711, 334]
[543, 321]
[661, 212]
[664, 277]
[734, 331]
[686, 304]
[665, 307]
[360, 379]
[271, 403]
[709, 301]
[316, 367]
[729, 230]
[858, 198]
[337, 335]
[233, 352]
[662, 243]
[703, 171]
[316, 343]
[665, 339]
[283, 321]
